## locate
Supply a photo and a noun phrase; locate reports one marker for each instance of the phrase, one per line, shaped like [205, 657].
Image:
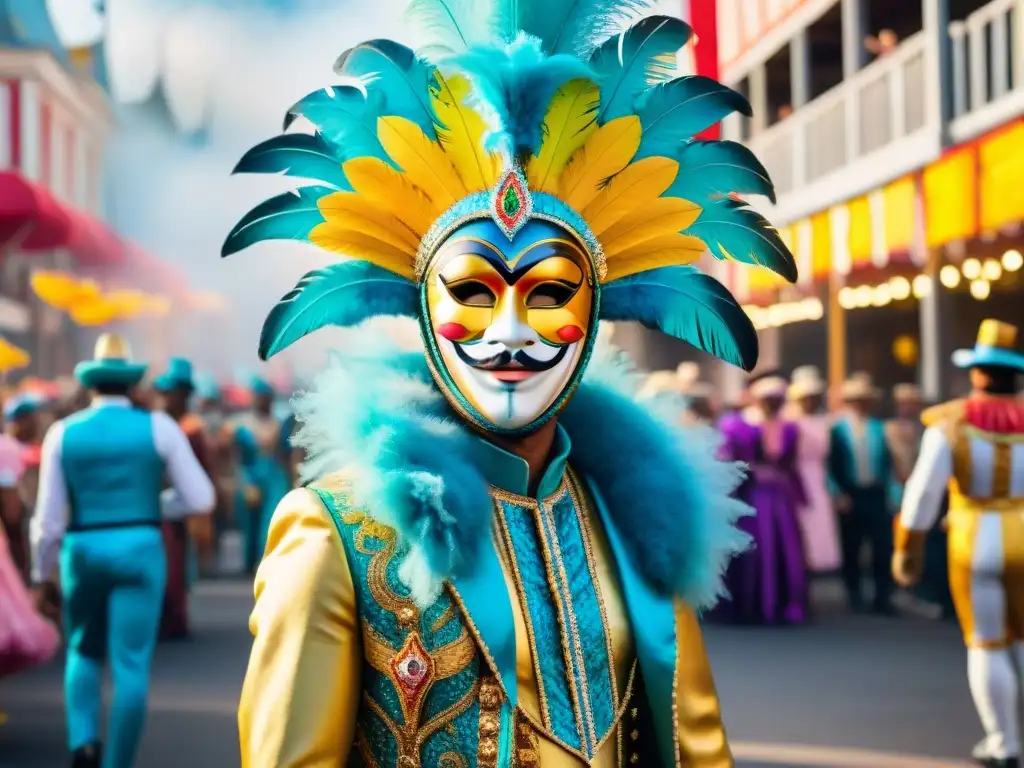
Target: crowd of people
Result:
[825, 477]
[57, 455]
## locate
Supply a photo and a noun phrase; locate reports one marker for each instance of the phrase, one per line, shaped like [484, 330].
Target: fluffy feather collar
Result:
[375, 414]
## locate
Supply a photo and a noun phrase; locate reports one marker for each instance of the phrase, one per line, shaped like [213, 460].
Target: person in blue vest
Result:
[860, 468]
[261, 443]
[98, 515]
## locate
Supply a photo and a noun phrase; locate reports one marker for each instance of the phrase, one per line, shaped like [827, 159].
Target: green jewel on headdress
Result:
[519, 110]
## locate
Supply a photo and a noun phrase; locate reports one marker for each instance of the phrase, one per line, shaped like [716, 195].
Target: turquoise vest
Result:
[111, 467]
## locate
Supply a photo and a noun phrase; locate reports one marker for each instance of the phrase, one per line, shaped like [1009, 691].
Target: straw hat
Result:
[111, 364]
[859, 387]
[806, 382]
[769, 387]
[906, 393]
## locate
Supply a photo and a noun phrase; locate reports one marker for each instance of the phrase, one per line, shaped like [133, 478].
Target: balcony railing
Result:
[987, 68]
[885, 102]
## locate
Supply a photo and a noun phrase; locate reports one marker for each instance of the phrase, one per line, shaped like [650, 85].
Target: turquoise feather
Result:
[450, 27]
[630, 63]
[290, 216]
[728, 225]
[346, 118]
[687, 304]
[674, 112]
[512, 88]
[391, 69]
[296, 154]
[716, 168]
[574, 27]
[341, 295]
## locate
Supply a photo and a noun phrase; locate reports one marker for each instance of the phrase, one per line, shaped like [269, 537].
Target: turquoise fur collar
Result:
[376, 414]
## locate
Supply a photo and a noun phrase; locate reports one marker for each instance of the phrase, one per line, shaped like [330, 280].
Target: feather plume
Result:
[733, 230]
[461, 132]
[570, 120]
[674, 112]
[575, 27]
[341, 295]
[382, 185]
[638, 185]
[357, 244]
[608, 150]
[345, 117]
[450, 27]
[718, 168]
[513, 85]
[351, 211]
[664, 216]
[689, 305]
[397, 72]
[423, 161]
[291, 216]
[295, 154]
[629, 63]
[662, 251]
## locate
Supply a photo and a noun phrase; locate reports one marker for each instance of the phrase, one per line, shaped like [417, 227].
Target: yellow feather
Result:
[359, 245]
[570, 121]
[638, 185]
[351, 211]
[608, 150]
[381, 184]
[664, 216]
[662, 251]
[462, 136]
[424, 162]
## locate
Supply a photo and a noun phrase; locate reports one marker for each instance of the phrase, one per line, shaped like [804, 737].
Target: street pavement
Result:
[844, 692]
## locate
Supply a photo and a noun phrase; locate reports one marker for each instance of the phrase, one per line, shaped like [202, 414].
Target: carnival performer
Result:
[769, 583]
[182, 533]
[263, 457]
[99, 512]
[21, 424]
[26, 638]
[903, 435]
[509, 198]
[860, 472]
[817, 517]
[534, 182]
[210, 412]
[971, 449]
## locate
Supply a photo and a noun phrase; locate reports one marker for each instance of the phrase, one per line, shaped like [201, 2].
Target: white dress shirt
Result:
[193, 491]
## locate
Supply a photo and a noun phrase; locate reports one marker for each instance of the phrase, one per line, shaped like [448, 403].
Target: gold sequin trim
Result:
[447, 615]
[1002, 470]
[963, 463]
[475, 632]
[490, 723]
[448, 660]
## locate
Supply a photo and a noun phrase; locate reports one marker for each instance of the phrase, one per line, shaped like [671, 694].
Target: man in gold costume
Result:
[974, 449]
[500, 554]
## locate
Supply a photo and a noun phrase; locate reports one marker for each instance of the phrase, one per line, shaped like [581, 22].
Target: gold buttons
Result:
[634, 758]
[488, 725]
[635, 734]
[490, 697]
[634, 712]
[488, 749]
[406, 615]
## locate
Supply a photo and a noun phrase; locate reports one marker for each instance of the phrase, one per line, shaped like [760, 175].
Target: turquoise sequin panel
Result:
[449, 718]
[566, 621]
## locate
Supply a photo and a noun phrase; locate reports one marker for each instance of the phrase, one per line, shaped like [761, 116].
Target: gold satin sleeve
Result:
[301, 691]
[702, 739]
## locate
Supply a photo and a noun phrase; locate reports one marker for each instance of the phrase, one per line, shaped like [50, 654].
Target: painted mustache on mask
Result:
[518, 359]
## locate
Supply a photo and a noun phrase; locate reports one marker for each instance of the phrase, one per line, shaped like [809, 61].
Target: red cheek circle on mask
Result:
[569, 333]
[452, 331]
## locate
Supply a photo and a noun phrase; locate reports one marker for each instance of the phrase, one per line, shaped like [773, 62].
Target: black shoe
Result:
[998, 762]
[89, 756]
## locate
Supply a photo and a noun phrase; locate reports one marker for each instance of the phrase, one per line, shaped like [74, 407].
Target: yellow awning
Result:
[860, 231]
[950, 191]
[900, 214]
[821, 245]
[1000, 172]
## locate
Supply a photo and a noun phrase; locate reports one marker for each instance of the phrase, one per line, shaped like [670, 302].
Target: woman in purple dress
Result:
[768, 584]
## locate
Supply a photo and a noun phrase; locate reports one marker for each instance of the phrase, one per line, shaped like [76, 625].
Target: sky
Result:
[179, 202]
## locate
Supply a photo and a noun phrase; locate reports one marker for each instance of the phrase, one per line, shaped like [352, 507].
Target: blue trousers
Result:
[113, 582]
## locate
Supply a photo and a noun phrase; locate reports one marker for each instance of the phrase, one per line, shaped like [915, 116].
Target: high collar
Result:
[100, 401]
[511, 473]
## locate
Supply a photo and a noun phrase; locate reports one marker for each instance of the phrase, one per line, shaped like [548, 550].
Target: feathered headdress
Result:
[519, 109]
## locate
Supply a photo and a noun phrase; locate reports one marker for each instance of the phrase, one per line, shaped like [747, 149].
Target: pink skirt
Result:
[26, 638]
